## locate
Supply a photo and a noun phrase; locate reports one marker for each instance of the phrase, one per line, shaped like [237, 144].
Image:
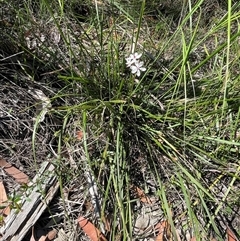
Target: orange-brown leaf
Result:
[90, 230]
[141, 195]
[160, 227]
[230, 235]
[19, 176]
[164, 232]
[3, 201]
[79, 135]
[51, 235]
[107, 223]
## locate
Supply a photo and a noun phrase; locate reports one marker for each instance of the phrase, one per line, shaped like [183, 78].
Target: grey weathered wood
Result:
[18, 224]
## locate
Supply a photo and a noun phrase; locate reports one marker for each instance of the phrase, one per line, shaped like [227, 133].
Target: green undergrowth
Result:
[176, 124]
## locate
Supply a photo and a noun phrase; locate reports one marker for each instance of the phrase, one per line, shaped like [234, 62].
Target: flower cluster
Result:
[134, 63]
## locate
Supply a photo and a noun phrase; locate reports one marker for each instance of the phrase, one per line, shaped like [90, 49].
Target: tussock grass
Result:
[176, 126]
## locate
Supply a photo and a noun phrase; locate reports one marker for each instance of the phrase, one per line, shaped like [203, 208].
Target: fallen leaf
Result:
[141, 195]
[164, 231]
[160, 227]
[3, 201]
[90, 230]
[79, 135]
[19, 176]
[230, 235]
[51, 235]
[168, 232]
[107, 224]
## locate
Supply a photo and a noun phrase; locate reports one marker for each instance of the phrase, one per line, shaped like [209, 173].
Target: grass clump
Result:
[172, 130]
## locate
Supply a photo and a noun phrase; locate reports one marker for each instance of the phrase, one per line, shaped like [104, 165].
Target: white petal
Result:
[138, 73]
[137, 55]
[128, 60]
[131, 57]
[140, 64]
[128, 63]
[134, 69]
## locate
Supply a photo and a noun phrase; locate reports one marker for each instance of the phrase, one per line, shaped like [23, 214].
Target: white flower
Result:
[137, 68]
[133, 62]
[133, 58]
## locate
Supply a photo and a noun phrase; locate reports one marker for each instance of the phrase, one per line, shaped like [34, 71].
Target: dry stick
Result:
[95, 196]
[94, 193]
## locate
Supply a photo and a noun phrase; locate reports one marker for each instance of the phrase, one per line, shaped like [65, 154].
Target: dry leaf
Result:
[90, 230]
[3, 200]
[51, 235]
[19, 176]
[164, 232]
[160, 227]
[168, 232]
[79, 135]
[141, 195]
[230, 235]
[107, 224]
